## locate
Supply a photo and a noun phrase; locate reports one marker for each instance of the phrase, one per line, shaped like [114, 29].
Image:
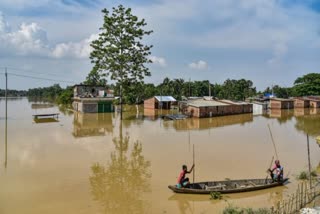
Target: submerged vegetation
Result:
[304, 175]
[230, 209]
[215, 196]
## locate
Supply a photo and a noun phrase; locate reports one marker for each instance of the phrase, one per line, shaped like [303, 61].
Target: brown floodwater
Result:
[93, 163]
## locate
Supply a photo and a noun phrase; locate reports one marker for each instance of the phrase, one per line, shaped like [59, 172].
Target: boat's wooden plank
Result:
[224, 190]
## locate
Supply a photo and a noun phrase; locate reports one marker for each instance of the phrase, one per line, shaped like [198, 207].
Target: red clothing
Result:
[182, 176]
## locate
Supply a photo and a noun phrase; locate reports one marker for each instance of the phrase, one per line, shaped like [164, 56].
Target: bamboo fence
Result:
[303, 196]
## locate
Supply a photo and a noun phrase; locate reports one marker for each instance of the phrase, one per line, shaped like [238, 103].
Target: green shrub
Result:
[313, 173]
[303, 175]
[236, 210]
[216, 195]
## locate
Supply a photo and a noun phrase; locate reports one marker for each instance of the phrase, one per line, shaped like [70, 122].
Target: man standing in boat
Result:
[182, 180]
[276, 172]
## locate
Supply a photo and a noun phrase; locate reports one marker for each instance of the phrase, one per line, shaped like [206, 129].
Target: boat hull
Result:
[228, 186]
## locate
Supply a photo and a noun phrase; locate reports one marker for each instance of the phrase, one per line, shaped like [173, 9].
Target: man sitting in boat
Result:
[182, 180]
[276, 172]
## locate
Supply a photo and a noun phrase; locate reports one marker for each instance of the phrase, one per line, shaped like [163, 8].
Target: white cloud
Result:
[31, 40]
[200, 65]
[80, 49]
[159, 61]
[28, 39]
[279, 51]
[4, 26]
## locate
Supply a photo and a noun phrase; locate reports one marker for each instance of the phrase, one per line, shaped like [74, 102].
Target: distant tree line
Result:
[53, 93]
[231, 89]
[135, 93]
[13, 93]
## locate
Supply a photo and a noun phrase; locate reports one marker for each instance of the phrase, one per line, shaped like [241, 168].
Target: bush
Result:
[65, 97]
[303, 175]
[236, 210]
[313, 173]
[216, 195]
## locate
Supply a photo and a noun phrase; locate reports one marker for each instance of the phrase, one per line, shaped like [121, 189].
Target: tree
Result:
[118, 52]
[237, 89]
[309, 84]
[94, 78]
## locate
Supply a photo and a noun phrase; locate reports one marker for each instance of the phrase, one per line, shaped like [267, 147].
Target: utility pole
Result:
[6, 118]
[309, 160]
[189, 87]
[209, 90]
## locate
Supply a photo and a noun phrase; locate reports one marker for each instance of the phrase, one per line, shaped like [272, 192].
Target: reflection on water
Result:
[41, 156]
[309, 124]
[282, 116]
[94, 124]
[186, 202]
[119, 186]
[41, 105]
[207, 123]
[6, 142]
[45, 120]
[66, 110]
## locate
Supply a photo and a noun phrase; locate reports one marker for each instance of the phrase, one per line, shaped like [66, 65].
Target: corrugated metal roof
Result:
[235, 102]
[205, 103]
[165, 98]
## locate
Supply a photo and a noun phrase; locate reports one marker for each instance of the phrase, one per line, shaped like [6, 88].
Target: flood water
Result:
[93, 163]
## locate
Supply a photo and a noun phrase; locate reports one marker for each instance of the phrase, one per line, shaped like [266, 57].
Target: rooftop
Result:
[234, 102]
[165, 98]
[95, 99]
[205, 103]
[281, 99]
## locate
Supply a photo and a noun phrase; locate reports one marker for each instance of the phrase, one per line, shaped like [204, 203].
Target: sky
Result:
[271, 42]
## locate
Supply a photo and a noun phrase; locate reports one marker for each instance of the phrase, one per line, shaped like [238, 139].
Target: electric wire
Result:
[24, 70]
[41, 78]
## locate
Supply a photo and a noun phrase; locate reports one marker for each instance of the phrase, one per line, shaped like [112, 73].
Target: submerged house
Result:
[92, 99]
[206, 107]
[159, 102]
[300, 102]
[314, 101]
[259, 107]
[279, 103]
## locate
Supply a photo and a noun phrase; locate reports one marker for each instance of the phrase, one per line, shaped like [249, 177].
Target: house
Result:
[300, 102]
[279, 103]
[92, 99]
[259, 108]
[211, 107]
[159, 102]
[314, 101]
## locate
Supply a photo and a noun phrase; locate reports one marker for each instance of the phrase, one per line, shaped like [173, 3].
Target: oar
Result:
[269, 168]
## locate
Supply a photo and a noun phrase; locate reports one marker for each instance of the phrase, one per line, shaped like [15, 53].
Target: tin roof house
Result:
[159, 102]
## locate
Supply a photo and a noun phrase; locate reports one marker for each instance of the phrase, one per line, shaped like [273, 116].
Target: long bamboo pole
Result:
[309, 163]
[6, 121]
[274, 145]
[193, 171]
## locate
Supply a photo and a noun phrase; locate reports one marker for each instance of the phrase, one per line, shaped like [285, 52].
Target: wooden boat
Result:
[228, 186]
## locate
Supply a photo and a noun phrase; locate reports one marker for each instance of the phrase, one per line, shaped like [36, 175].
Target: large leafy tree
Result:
[237, 89]
[118, 53]
[308, 84]
[95, 78]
